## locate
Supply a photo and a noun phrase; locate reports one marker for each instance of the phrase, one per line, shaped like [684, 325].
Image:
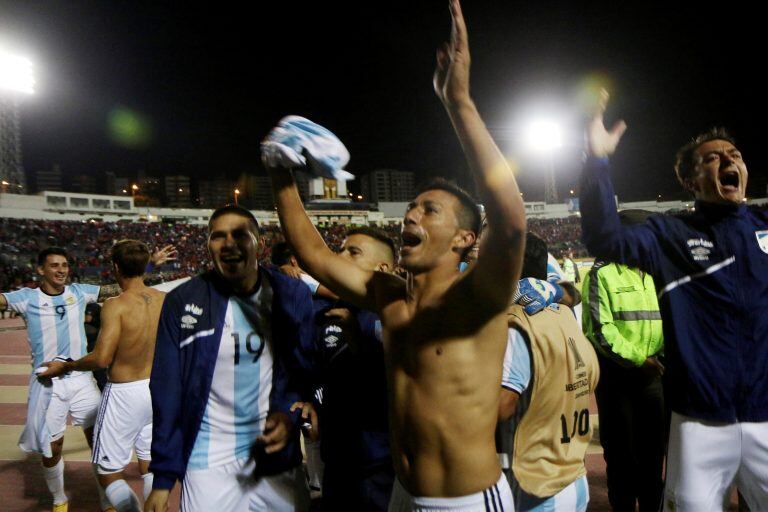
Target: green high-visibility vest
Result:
[621, 314]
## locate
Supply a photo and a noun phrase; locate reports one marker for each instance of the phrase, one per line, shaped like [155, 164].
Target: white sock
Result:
[54, 479]
[103, 500]
[148, 478]
[122, 497]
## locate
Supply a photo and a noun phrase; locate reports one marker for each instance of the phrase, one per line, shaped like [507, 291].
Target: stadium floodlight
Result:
[16, 73]
[544, 136]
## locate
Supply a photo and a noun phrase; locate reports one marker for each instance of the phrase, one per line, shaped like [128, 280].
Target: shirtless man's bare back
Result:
[126, 345]
[444, 332]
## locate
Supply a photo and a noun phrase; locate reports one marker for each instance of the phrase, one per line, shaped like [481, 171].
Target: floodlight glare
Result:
[544, 136]
[16, 73]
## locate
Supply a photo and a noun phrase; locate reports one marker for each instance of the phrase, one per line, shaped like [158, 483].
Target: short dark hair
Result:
[535, 258]
[376, 234]
[131, 257]
[684, 159]
[469, 216]
[43, 255]
[236, 210]
[281, 254]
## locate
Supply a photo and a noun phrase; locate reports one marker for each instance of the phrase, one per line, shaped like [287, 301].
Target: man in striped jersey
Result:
[54, 314]
[126, 345]
[224, 364]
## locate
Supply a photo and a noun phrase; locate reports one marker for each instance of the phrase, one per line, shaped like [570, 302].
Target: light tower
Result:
[544, 137]
[16, 80]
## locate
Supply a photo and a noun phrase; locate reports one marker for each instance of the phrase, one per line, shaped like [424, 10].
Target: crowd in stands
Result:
[89, 242]
[560, 234]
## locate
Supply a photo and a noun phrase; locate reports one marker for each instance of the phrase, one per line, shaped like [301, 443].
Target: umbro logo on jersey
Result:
[762, 240]
[700, 248]
[331, 341]
[192, 308]
[188, 322]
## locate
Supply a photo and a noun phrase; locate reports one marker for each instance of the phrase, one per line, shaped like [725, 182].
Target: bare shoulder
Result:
[114, 305]
[473, 286]
[150, 296]
[138, 298]
[388, 287]
[465, 305]
[157, 295]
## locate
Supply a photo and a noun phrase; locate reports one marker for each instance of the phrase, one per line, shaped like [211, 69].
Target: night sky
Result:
[208, 82]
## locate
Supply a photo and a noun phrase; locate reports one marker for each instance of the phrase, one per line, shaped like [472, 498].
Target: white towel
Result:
[297, 142]
[35, 438]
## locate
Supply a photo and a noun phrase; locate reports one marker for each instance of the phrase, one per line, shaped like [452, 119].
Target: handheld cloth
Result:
[298, 142]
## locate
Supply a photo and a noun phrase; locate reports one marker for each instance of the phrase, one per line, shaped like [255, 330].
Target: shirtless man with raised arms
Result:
[444, 332]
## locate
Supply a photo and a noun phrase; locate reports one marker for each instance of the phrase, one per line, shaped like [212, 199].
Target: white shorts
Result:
[76, 395]
[704, 459]
[124, 422]
[573, 498]
[496, 498]
[232, 487]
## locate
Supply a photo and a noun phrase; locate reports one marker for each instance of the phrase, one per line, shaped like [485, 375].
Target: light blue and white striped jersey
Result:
[54, 322]
[554, 271]
[516, 374]
[242, 381]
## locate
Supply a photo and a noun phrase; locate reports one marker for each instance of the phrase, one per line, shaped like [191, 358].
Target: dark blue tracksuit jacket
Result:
[711, 273]
[353, 414]
[185, 359]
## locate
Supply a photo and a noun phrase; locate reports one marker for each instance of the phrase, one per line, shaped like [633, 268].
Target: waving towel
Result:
[298, 142]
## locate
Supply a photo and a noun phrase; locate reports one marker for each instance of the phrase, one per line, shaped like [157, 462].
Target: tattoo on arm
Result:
[107, 291]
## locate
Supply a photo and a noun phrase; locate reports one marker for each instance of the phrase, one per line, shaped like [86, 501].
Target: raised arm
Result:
[501, 253]
[601, 228]
[103, 353]
[339, 275]
[163, 255]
